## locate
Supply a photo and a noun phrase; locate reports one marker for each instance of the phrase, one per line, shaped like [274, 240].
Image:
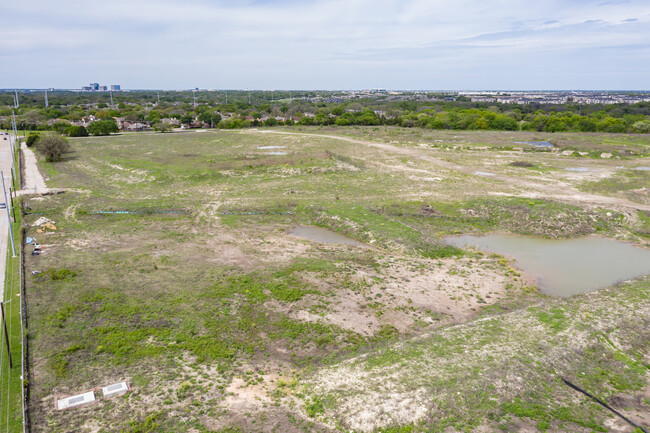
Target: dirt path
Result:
[557, 190]
[34, 182]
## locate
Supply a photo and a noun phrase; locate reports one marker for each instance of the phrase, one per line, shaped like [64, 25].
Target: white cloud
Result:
[273, 44]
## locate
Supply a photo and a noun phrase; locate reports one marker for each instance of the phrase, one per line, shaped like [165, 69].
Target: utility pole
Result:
[16, 93]
[13, 178]
[226, 96]
[158, 98]
[13, 118]
[289, 96]
[13, 150]
[11, 232]
[13, 127]
[46, 103]
[111, 99]
[4, 323]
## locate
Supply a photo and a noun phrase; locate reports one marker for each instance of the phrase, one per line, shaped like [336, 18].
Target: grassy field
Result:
[172, 266]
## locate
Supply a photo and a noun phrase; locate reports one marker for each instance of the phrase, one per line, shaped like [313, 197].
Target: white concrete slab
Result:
[75, 400]
[115, 389]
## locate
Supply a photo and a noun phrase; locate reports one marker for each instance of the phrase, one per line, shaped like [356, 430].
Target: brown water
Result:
[566, 267]
[319, 234]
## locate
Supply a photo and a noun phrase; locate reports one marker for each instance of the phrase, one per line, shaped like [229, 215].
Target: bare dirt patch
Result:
[409, 294]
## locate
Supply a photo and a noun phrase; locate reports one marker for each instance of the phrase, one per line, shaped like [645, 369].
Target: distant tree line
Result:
[240, 109]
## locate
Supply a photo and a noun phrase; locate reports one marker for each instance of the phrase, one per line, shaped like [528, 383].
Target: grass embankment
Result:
[214, 313]
[11, 414]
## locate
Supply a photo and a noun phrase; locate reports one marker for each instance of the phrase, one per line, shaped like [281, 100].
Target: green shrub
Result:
[77, 131]
[61, 274]
[439, 251]
[32, 139]
[53, 146]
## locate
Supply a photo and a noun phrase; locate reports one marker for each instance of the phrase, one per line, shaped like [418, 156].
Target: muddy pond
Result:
[569, 266]
[319, 234]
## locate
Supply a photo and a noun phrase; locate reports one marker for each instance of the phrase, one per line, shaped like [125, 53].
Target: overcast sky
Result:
[326, 44]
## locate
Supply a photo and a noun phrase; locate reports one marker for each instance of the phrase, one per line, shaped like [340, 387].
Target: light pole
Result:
[11, 232]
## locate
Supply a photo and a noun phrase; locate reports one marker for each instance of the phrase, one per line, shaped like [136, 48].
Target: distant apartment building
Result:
[95, 87]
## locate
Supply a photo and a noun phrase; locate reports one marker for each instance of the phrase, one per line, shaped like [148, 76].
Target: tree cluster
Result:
[241, 109]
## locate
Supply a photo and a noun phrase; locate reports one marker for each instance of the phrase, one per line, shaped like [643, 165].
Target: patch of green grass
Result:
[625, 182]
[440, 251]
[554, 319]
[644, 223]
[315, 407]
[150, 424]
[545, 415]
[61, 274]
[231, 322]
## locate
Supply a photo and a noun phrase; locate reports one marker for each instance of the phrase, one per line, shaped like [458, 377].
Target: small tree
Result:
[271, 121]
[53, 147]
[187, 118]
[33, 118]
[32, 139]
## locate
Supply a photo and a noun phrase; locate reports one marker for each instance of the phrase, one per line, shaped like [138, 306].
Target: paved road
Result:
[5, 166]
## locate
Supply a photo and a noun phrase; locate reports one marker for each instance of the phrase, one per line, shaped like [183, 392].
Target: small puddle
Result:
[642, 168]
[483, 173]
[578, 169]
[569, 266]
[319, 234]
[546, 144]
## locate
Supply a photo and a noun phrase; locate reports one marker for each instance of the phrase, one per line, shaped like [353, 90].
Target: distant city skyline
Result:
[328, 45]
